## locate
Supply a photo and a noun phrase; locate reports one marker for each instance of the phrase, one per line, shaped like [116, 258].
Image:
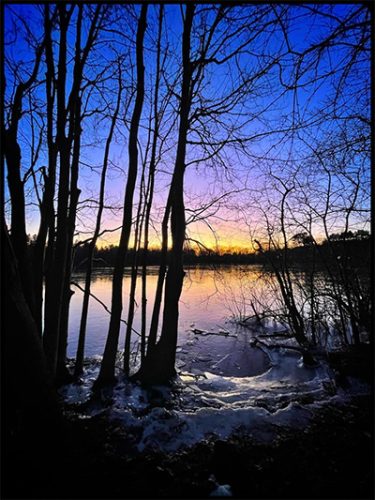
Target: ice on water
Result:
[203, 404]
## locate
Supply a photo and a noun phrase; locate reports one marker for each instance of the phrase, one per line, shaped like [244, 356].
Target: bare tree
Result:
[201, 128]
[82, 332]
[30, 403]
[150, 194]
[107, 370]
[67, 143]
[12, 152]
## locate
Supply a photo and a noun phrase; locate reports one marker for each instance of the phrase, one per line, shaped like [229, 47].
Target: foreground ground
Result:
[333, 457]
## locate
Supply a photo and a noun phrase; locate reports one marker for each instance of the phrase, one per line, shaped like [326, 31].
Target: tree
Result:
[323, 158]
[12, 152]
[237, 97]
[67, 144]
[280, 262]
[303, 239]
[32, 424]
[159, 363]
[217, 39]
[91, 245]
[107, 369]
[157, 115]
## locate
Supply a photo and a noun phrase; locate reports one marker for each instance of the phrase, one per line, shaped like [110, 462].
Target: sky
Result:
[295, 136]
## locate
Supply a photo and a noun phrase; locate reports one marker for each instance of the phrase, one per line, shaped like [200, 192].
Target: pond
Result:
[204, 304]
[207, 336]
[210, 300]
[224, 382]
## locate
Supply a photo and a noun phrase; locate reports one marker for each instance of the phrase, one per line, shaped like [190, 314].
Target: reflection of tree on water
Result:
[319, 297]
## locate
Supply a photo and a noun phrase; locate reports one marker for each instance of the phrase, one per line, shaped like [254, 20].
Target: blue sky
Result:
[278, 125]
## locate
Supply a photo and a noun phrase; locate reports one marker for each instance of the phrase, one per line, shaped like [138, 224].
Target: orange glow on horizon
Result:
[219, 247]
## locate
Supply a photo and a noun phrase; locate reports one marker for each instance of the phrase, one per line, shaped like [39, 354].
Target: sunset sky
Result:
[280, 124]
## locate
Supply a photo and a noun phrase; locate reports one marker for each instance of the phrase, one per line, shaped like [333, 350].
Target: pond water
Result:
[205, 303]
[210, 299]
[207, 335]
[224, 382]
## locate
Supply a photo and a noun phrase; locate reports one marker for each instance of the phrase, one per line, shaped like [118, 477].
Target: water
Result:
[210, 299]
[225, 385]
[204, 304]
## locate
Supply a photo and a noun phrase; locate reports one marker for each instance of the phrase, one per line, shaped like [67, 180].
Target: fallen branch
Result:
[284, 335]
[196, 331]
[308, 358]
[256, 341]
[102, 304]
[192, 375]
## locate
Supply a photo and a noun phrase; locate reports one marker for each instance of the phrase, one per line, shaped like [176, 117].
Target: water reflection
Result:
[224, 383]
[210, 297]
[201, 305]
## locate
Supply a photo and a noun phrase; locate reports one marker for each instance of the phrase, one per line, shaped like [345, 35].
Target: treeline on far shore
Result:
[354, 249]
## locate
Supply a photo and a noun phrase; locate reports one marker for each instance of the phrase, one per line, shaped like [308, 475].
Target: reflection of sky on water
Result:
[200, 306]
[210, 298]
[224, 384]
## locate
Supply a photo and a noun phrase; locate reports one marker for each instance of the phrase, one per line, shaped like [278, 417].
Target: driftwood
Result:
[277, 346]
[195, 376]
[308, 358]
[204, 333]
[284, 335]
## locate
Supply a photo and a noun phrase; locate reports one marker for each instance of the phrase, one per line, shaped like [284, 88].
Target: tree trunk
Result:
[32, 423]
[47, 211]
[18, 222]
[55, 285]
[150, 190]
[86, 298]
[130, 318]
[23, 355]
[133, 282]
[63, 376]
[12, 153]
[159, 365]
[43, 255]
[58, 292]
[39, 250]
[62, 372]
[73, 141]
[107, 371]
[160, 284]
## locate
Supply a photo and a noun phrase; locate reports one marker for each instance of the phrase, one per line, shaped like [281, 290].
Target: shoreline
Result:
[331, 456]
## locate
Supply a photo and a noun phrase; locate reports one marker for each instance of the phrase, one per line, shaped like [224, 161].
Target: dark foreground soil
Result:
[332, 458]
[91, 458]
